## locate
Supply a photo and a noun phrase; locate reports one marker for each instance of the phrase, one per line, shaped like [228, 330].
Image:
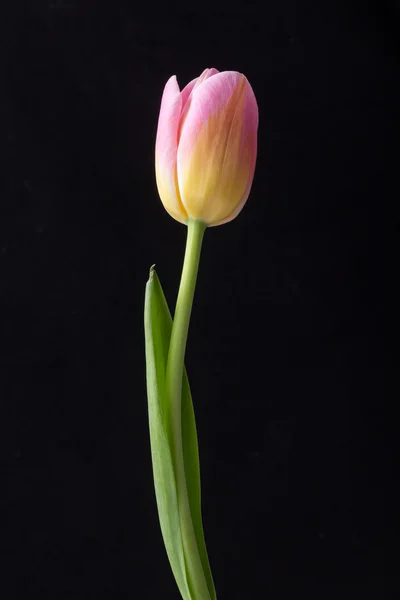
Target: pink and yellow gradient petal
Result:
[166, 150]
[185, 93]
[217, 148]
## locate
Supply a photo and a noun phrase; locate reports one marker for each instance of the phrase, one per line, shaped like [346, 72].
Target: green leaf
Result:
[157, 333]
[192, 472]
[158, 325]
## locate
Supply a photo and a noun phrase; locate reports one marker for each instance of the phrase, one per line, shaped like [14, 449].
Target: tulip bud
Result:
[206, 147]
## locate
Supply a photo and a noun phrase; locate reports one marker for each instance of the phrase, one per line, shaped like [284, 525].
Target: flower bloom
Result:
[206, 147]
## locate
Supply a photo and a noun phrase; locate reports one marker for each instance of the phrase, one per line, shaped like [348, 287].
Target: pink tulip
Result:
[206, 147]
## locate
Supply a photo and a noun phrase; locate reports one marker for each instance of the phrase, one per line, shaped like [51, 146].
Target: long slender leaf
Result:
[158, 325]
[192, 472]
[156, 336]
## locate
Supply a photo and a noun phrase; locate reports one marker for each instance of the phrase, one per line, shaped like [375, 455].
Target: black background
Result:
[285, 352]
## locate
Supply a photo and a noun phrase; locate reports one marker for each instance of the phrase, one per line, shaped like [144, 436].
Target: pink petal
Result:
[206, 100]
[223, 119]
[206, 74]
[250, 139]
[187, 91]
[166, 150]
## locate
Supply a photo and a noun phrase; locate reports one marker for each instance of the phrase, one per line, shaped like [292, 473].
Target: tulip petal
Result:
[249, 147]
[186, 94]
[166, 150]
[187, 90]
[217, 148]
[206, 74]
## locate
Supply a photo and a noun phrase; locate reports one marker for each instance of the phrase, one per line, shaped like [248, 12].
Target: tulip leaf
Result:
[158, 326]
[192, 472]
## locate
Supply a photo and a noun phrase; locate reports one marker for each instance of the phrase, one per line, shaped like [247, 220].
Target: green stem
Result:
[174, 374]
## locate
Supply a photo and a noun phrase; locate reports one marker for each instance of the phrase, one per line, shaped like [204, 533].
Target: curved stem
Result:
[174, 374]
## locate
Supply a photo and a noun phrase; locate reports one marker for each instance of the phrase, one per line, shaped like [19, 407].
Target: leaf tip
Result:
[152, 271]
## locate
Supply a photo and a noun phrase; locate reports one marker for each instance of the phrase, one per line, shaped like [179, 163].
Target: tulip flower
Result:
[206, 147]
[205, 158]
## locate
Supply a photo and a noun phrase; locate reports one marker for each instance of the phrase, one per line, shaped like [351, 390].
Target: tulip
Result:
[206, 147]
[205, 158]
